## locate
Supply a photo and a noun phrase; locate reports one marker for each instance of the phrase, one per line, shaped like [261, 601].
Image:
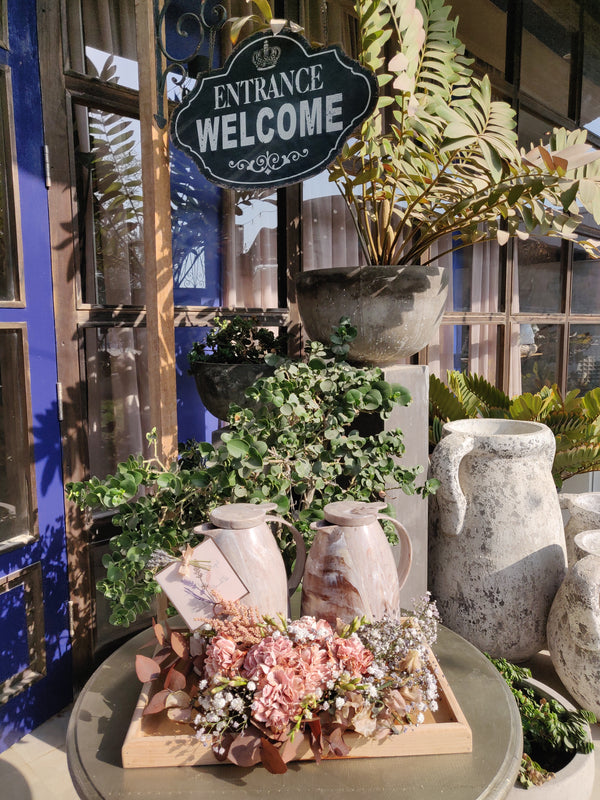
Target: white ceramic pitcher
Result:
[350, 569]
[241, 533]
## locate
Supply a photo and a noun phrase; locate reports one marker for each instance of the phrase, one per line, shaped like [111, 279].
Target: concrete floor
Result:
[35, 768]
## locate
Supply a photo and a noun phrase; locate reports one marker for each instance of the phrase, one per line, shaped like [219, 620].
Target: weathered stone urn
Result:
[219, 385]
[496, 541]
[583, 515]
[574, 625]
[396, 309]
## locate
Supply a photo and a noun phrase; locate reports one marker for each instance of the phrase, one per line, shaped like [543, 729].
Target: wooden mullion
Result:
[157, 240]
[101, 95]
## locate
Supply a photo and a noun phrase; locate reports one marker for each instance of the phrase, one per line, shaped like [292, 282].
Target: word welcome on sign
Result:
[277, 112]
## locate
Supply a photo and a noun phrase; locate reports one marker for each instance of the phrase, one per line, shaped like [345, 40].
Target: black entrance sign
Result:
[277, 112]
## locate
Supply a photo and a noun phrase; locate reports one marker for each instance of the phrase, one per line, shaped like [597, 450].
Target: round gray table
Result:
[103, 711]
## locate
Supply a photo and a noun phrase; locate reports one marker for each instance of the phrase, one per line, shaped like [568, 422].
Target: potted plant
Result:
[558, 760]
[435, 168]
[299, 446]
[230, 359]
[574, 420]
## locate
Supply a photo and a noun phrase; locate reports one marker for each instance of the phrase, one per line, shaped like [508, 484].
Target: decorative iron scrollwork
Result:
[204, 18]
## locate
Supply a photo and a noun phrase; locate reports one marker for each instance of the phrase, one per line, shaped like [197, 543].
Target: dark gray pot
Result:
[219, 385]
[396, 309]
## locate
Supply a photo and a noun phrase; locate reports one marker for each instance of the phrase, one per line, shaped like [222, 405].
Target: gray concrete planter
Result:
[396, 309]
[219, 385]
[576, 780]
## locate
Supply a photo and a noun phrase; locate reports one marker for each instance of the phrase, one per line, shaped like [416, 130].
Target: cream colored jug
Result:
[241, 533]
[350, 569]
[496, 541]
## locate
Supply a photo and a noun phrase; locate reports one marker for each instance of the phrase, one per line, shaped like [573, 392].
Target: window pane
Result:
[109, 185]
[102, 40]
[475, 278]
[585, 298]
[469, 348]
[329, 238]
[250, 250]
[539, 349]
[548, 36]
[9, 284]
[482, 29]
[590, 94]
[118, 404]
[539, 275]
[14, 438]
[584, 357]
[196, 209]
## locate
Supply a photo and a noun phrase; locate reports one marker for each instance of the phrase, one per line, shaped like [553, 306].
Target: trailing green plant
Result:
[551, 734]
[574, 419]
[236, 340]
[300, 446]
[439, 156]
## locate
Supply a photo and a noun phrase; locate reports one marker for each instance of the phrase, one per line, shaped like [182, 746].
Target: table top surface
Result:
[104, 708]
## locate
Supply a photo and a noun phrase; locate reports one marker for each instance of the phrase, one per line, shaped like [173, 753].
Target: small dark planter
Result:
[219, 385]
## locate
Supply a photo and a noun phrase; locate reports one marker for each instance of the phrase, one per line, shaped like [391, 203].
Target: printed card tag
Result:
[192, 583]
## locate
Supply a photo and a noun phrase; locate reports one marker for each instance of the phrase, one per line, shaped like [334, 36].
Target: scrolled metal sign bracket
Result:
[209, 18]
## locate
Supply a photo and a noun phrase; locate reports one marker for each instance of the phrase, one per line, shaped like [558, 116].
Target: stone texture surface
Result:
[583, 514]
[574, 632]
[496, 542]
[397, 310]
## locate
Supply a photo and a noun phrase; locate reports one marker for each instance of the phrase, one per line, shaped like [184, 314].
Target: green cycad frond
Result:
[443, 403]
[575, 461]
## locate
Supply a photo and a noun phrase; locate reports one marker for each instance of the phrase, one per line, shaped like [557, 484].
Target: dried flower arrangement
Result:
[255, 689]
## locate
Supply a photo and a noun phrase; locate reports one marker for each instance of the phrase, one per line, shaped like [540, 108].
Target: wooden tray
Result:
[155, 741]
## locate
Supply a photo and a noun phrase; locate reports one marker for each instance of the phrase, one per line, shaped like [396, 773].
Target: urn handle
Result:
[298, 570]
[444, 465]
[405, 549]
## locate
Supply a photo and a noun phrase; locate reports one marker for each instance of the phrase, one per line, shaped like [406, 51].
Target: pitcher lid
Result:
[237, 516]
[352, 512]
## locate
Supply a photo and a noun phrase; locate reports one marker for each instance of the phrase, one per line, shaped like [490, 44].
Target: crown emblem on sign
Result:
[267, 57]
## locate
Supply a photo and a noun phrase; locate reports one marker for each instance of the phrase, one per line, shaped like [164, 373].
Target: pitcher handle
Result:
[444, 465]
[298, 571]
[405, 548]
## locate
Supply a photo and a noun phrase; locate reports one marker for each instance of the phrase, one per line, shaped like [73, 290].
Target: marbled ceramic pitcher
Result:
[241, 533]
[496, 541]
[350, 569]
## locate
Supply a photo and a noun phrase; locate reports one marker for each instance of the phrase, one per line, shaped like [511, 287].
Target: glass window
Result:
[468, 348]
[584, 357]
[539, 352]
[102, 41]
[549, 35]
[329, 238]
[476, 278]
[109, 188]
[118, 405]
[482, 29]
[539, 275]
[590, 92]
[585, 296]
[9, 250]
[15, 471]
